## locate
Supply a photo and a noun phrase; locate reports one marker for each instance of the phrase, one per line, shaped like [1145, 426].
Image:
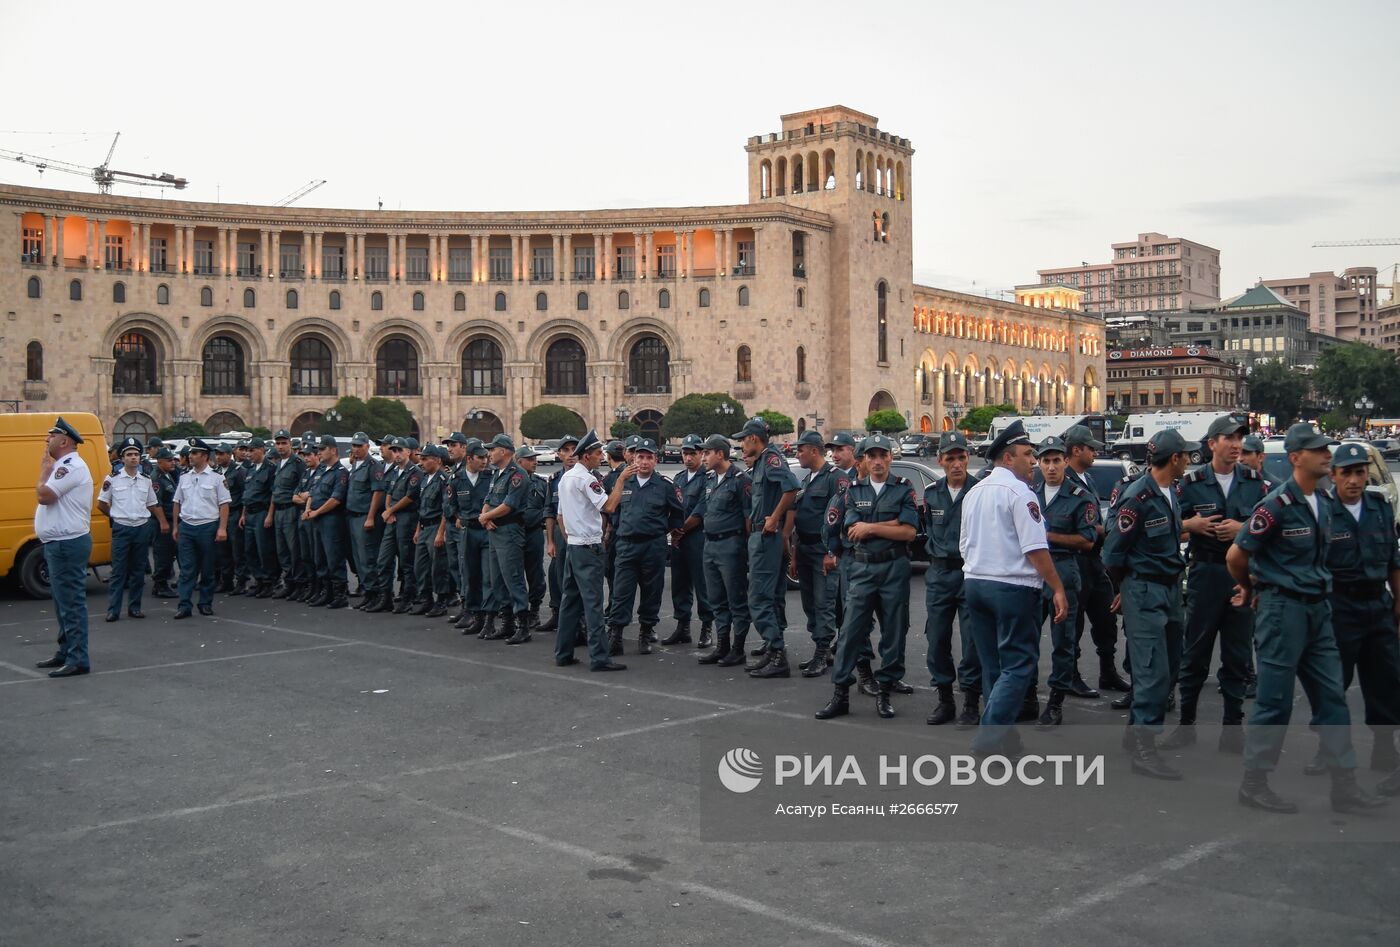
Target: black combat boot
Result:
[1231, 737]
[487, 628]
[225, 586]
[1145, 760]
[1348, 796]
[284, 589]
[1054, 714]
[1123, 703]
[1030, 706]
[237, 588]
[865, 679]
[758, 652]
[163, 590]
[707, 636]
[296, 592]
[720, 653]
[838, 706]
[379, 603]
[945, 710]
[534, 614]
[816, 666]
[1080, 688]
[650, 632]
[680, 636]
[265, 590]
[764, 657]
[971, 715]
[437, 609]
[522, 629]
[777, 665]
[320, 593]
[338, 598]
[644, 637]
[1255, 793]
[883, 706]
[551, 623]
[614, 640]
[507, 629]
[1180, 738]
[466, 622]
[1109, 679]
[422, 608]
[735, 654]
[403, 606]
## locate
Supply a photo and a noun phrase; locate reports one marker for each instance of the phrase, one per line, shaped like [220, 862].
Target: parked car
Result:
[919, 445]
[545, 454]
[1378, 476]
[1388, 446]
[670, 453]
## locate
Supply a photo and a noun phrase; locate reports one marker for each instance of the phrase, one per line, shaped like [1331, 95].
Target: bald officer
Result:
[63, 523]
[201, 520]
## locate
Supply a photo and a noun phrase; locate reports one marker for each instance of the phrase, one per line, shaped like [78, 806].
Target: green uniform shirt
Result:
[1287, 544]
[1200, 495]
[1364, 551]
[1146, 534]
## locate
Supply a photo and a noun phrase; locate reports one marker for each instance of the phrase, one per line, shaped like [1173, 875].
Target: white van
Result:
[1192, 425]
[1041, 426]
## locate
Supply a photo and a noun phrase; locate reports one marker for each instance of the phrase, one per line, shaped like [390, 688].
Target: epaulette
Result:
[898, 480]
[1327, 492]
[1075, 490]
[1145, 493]
[1285, 498]
[1251, 474]
[1195, 476]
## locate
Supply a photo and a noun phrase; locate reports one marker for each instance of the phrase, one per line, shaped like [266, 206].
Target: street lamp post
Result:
[1364, 407]
[724, 408]
[955, 411]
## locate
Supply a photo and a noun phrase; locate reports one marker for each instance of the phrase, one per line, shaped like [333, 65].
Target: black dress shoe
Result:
[164, 591]
[135, 613]
[50, 663]
[566, 662]
[206, 610]
[182, 613]
[114, 616]
[899, 687]
[68, 670]
[608, 666]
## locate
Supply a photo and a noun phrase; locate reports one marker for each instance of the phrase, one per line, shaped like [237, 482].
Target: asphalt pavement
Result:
[285, 775]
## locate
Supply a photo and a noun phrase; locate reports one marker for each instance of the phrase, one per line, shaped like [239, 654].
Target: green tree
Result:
[183, 429]
[696, 414]
[260, 431]
[376, 417]
[778, 423]
[1275, 389]
[549, 420]
[887, 421]
[1347, 373]
[1335, 421]
[624, 429]
[980, 419]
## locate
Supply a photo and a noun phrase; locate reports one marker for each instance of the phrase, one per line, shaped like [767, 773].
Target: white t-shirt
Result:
[71, 516]
[1226, 481]
[581, 500]
[642, 481]
[1312, 503]
[953, 492]
[1170, 494]
[1051, 493]
[1354, 509]
[879, 488]
[999, 528]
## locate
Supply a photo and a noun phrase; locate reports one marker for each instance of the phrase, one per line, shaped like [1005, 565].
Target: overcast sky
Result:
[1044, 131]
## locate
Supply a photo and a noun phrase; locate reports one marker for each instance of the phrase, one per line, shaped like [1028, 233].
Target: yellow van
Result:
[22, 438]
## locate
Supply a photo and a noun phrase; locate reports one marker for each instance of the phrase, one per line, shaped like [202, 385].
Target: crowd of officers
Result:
[465, 530]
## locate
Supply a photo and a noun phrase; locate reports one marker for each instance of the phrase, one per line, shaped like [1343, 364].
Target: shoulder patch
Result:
[1261, 522]
[106, 485]
[1127, 519]
[596, 486]
[1194, 476]
[842, 485]
[1035, 510]
[1091, 513]
[413, 480]
[60, 473]
[832, 515]
[774, 460]
[516, 479]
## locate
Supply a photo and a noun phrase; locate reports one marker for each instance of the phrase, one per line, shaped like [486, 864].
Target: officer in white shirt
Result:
[1006, 559]
[582, 503]
[201, 520]
[129, 498]
[63, 523]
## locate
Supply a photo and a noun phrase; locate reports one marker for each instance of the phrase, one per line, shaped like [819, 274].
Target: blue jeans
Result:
[130, 545]
[197, 558]
[1006, 630]
[67, 560]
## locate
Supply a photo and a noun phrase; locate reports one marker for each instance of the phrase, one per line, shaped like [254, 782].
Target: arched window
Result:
[743, 295]
[206, 296]
[75, 290]
[801, 365]
[223, 367]
[118, 292]
[34, 362]
[33, 287]
[744, 365]
[136, 371]
[649, 365]
[222, 421]
[885, 227]
[291, 299]
[541, 302]
[459, 302]
[134, 424]
[582, 302]
[313, 369]
[500, 302]
[624, 300]
[163, 295]
[801, 297]
[396, 368]
[860, 171]
[565, 368]
[376, 301]
[335, 299]
[663, 299]
[704, 299]
[882, 340]
[250, 299]
[418, 302]
[483, 369]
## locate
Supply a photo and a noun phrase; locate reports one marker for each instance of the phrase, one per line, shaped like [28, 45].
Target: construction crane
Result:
[1374, 242]
[299, 193]
[103, 174]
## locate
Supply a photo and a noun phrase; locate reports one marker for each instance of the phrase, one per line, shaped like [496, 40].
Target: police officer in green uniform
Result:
[722, 514]
[555, 543]
[457, 445]
[503, 516]
[258, 545]
[1217, 499]
[618, 456]
[326, 509]
[1096, 591]
[1279, 563]
[944, 599]
[430, 537]
[1143, 556]
[363, 499]
[469, 489]
[807, 549]
[398, 513]
[1071, 516]
[688, 553]
[881, 520]
[774, 488]
[403, 499]
[289, 468]
[308, 546]
[166, 481]
[233, 564]
[381, 597]
[648, 509]
[533, 521]
[848, 455]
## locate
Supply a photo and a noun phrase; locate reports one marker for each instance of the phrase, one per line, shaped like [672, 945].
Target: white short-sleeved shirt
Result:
[581, 499]
[129, 498]
[200, 495]
[71, 516]
[1001, 522]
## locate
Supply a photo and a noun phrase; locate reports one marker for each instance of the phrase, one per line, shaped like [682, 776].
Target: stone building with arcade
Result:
[800, 300]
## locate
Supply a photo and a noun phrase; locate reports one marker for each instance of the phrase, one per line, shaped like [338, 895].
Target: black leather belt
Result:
[1207, 555]
[1369, 588]
[1062, 554]
[474, 524]
[948, 562]
[429, 520]
[889, 555]
[255, 507]
[810, 539]
[716, 537]
[1303, 597]
[1157, 579]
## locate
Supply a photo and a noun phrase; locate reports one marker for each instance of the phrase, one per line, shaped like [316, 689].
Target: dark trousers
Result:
[331, 532]
[67, 560]
[640, 563]
[129, 550]
[534, 566]
[473, 553]
[163, 552]
[386, 559]
[878, 590]
[1095, 605]
[727, 583]
[430, 565]
[1152, 625]
[259, 545]
[1061, 633]
[453, 550]
[582, 601]
[233, 565]
[843, 581]
[556, 568]
[309, 543]
[364, 548]
[944, 601]
[765, 574]
[688, 579]
[1209, 614]
[1294, 641]
[197, 562]
[508, 562]
[819, 590]
[1370, 650]
[404, 526]
[289, 559]
[1005, 628]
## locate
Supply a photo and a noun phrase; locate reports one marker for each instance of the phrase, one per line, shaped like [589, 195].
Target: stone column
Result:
[56, 240]
[306, 243]
[403, 256]
[651, 253]
[393, 241]
[262, 251]
[477, 241]
[221, 253]
[557, 240]
[518, 245]
[277, 252]
[566, 254]
[101, 262]
[689, 253]
[359, 263]
[608, 271]
[191, 256]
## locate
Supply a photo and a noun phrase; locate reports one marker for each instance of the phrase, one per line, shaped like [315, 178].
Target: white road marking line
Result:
[27, 672]
[230, 657]
[200, 810]
[1138, 879]
[291, 631]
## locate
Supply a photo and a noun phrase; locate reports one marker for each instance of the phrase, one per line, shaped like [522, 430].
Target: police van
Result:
[1041, 426]
[1192, 425]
